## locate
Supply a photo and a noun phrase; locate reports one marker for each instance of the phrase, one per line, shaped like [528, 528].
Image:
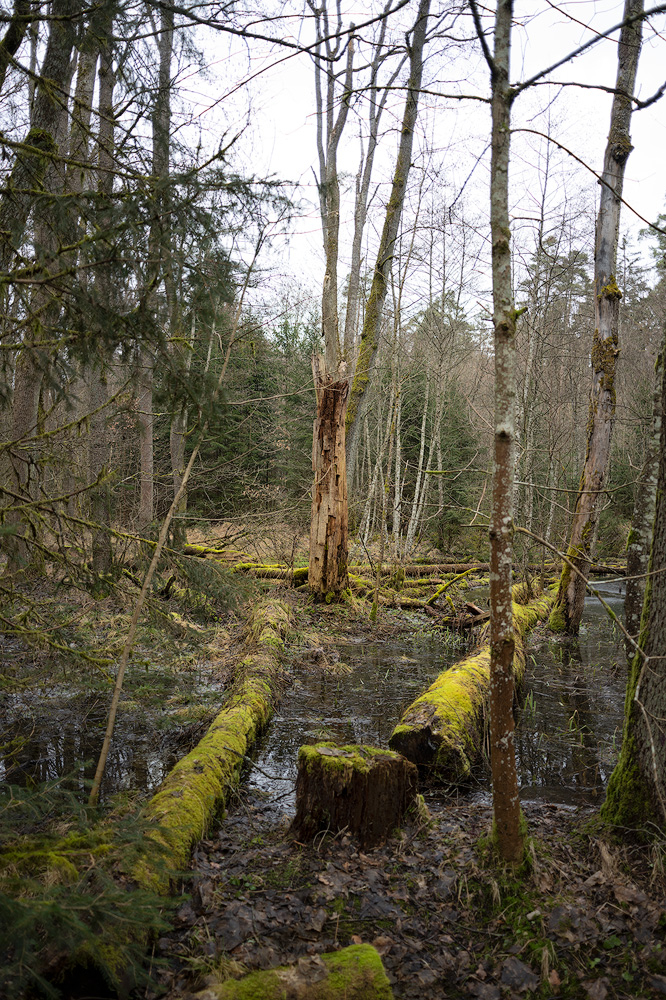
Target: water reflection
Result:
[66, 741]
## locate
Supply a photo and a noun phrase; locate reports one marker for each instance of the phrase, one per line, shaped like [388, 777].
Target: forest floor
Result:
[585, 916]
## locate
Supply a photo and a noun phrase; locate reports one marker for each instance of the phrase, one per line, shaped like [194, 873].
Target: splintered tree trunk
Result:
[364, 790]
[568, 610]
[327, 574]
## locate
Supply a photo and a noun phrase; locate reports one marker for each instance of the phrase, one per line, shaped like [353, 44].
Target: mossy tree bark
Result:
[365, 790]
[442, 731]
[367, 356]
[642, 522]
[506, 803]
[327, 572]
[636, 794]
[568, 609]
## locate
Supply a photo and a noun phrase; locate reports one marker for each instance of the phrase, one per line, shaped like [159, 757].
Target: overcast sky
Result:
[278, 88]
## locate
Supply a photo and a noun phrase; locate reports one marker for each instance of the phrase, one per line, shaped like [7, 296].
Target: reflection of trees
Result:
[556, 740]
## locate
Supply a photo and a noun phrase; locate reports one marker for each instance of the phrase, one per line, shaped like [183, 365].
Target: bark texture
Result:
[507, 827]
[362, 789]
[571, 597]
[639, 542]
[327, 574]
[636, 794]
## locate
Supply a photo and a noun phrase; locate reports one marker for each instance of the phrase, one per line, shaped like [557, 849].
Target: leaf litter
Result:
[582, 921]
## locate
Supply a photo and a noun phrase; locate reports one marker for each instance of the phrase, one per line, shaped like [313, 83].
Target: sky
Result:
[270, 91]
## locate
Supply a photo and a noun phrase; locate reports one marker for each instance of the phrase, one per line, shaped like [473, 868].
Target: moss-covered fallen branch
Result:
[355, 973]
[198, 786]
[442, 729]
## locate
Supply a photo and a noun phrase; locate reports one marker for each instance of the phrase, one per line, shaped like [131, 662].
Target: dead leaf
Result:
[628, 894]
[597, 879]
[518, 976]
[383, 944]
[554, 980]
[355, 939]
[597, 989]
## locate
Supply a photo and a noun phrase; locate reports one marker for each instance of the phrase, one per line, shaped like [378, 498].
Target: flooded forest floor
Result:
[584, 918]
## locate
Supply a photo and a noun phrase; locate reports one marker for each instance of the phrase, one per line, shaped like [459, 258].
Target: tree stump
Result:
[362, 789]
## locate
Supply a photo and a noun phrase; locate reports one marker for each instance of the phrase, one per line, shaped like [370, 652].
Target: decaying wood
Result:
[442, 730]
[354, 973]
[198, 786]
[327, 571]
[362, 789]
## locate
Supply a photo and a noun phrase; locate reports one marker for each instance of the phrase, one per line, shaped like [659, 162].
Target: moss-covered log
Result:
[355, 973]
[442, 729]
[197, 787]
[362, 789]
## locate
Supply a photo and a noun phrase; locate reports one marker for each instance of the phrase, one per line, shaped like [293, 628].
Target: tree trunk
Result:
[41, 143]
[362, 789]
[568, 609]
[636, 794]
[372, 322]
[144, 405]
[506, 804]
[642, 524]
[327, 574]
[100, 443]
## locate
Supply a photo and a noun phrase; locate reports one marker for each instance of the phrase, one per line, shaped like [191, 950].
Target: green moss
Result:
[355, 973]
[354, 756]
[611, 290]
[441, 729]
[197, 787]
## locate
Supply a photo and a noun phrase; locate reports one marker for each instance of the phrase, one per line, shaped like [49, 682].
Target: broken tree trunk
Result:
[327, 572]
[362, 789]
[442, 730]
[355, 973]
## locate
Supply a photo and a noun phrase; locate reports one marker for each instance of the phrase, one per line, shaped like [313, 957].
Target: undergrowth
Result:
[66, 900]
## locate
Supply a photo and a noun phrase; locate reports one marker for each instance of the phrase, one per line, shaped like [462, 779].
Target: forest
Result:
[332, 499]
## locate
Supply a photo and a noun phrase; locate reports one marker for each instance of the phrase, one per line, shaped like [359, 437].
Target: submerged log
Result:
[196, 789]
[442, 730]
[362, 789]
[355, 973]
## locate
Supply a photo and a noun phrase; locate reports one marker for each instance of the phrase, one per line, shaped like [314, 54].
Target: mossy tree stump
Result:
[362, 789]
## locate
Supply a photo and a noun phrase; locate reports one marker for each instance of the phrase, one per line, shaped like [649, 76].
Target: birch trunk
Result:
[568, 610]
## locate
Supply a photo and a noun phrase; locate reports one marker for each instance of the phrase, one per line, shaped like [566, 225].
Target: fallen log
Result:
[196, 789]
[355, 973]
[442, 730]
[362, 789]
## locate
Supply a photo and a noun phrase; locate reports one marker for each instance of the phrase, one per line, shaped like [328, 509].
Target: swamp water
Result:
[567, 739]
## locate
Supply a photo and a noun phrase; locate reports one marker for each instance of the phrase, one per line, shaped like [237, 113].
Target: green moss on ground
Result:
[355, 973]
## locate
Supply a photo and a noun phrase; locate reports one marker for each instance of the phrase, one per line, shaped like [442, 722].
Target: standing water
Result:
[568, 732]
